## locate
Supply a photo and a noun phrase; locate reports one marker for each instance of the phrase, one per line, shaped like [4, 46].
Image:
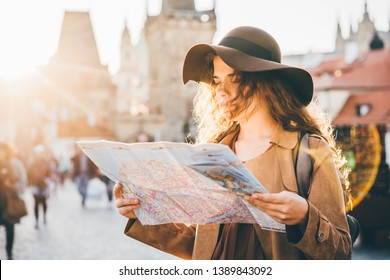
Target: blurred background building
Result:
[352, 84]
[151, 98]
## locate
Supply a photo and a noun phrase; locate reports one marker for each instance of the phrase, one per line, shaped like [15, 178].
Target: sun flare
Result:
[14, 70]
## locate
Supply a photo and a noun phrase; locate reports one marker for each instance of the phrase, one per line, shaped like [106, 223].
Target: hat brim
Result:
[195, 68]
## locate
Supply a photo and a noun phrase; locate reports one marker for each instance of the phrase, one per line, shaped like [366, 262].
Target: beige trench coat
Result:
[326, 235]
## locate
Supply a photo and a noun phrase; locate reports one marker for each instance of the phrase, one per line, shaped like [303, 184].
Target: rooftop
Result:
[369, 71]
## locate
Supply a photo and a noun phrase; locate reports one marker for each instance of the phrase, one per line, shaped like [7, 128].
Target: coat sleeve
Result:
[175, 239]
[327, 234]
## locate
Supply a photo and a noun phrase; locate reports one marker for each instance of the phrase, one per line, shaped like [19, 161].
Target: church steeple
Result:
[339, 33]
[74, 24]
[366, 16]
[125, 47]
[339, 46]
[350, 29]
[126, 38]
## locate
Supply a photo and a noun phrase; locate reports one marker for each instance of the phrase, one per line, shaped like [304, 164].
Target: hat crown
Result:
[253, 41]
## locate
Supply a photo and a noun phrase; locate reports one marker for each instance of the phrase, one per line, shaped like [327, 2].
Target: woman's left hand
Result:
[285, 207]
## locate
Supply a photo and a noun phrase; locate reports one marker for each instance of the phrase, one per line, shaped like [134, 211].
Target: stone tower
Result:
[339, 43]
[123, 79]
[365, 31]
[131, 98]
[80, 83]
[169, 36]
[131, 94]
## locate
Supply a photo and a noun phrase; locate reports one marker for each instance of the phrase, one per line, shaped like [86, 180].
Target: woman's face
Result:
[225, 87]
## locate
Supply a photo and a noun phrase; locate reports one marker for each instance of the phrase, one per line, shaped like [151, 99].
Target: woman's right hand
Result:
[125, 206]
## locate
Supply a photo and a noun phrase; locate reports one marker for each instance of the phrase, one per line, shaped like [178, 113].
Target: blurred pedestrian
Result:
[64, 166]
[39, 174]
[54, 179]
[20, 172]
[109, 187]
[83, 170]
[7, 190]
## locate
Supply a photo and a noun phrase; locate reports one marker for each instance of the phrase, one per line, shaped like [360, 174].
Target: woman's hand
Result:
[125, 206]
[285, 207]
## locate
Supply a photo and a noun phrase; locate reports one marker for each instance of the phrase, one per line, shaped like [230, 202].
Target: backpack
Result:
[303, 170]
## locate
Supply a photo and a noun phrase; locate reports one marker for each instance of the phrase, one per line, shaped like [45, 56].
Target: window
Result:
[363, 109]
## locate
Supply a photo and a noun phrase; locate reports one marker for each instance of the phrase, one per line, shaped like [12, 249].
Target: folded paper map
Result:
[181, 183]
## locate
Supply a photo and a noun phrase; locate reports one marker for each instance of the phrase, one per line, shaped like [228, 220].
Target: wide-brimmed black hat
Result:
[247, 49]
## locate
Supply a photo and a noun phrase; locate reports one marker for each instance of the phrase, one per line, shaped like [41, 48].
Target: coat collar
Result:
[283, 138]
[285, 141]
[228, 138]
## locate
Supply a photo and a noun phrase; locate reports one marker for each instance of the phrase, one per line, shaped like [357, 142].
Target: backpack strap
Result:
[303, 164]
[303, 170]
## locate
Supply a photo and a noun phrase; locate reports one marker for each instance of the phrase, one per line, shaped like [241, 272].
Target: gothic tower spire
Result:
[339, 46]
[125, 47]
[366, 16]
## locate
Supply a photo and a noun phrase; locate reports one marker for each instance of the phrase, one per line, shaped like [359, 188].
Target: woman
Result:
[256, 105]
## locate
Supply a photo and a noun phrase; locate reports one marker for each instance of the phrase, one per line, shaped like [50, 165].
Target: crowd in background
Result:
[41, 175]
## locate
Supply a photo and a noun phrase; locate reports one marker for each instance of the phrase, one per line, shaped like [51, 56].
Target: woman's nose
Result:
[220, 92]
[220, 89]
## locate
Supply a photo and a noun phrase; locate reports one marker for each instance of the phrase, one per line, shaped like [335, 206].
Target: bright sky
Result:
[29, 29]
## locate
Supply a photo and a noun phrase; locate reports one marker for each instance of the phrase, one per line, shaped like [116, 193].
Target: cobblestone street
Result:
[93, 233]
[74, 233]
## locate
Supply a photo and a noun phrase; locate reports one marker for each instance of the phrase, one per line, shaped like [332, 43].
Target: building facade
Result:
[152, 99]
[79, 86]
